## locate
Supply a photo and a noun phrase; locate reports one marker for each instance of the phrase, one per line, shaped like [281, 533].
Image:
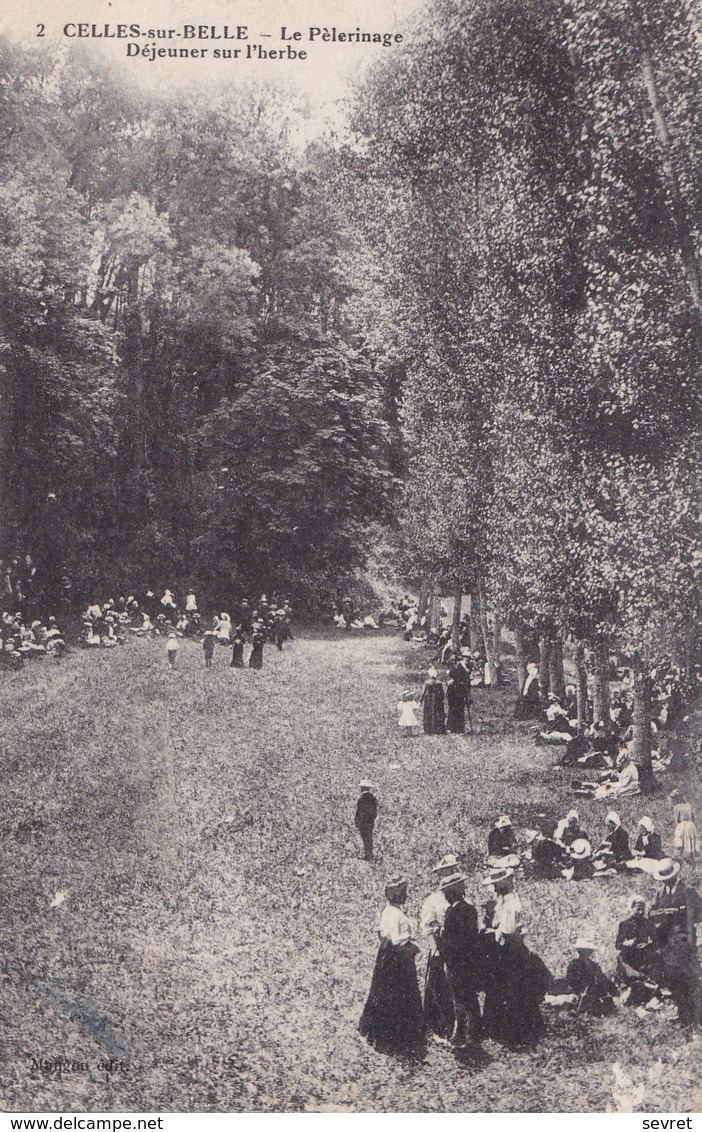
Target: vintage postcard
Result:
[350, 556]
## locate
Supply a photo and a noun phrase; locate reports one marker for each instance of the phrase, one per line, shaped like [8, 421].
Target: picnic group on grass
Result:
[481, 977]
[251, 625]
[469, 953]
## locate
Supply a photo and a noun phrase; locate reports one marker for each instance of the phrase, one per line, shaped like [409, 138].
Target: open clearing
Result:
[215, 928]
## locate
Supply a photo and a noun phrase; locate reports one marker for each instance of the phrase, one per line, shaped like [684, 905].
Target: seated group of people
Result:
[565, 849]
[105, 625]
[657, 957]
[20, 641]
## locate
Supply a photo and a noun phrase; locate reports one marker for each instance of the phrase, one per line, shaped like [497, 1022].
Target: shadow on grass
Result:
[473, 1057]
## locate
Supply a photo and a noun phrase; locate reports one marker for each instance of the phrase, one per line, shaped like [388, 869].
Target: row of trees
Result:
[531, 176]
[183, 397]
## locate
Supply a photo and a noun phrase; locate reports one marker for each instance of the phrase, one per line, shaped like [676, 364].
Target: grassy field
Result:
[213, 928]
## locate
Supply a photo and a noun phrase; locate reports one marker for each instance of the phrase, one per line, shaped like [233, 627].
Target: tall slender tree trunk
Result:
[641, 746]
[600, 695]
[497, 639]
[520, 654]
[486, 634]
[473, 624]
[487, 643]
[544, 659]
[581, 685]
[456, 620]
[556, 675]
[424, 597]
[688, 249]
[435, 613]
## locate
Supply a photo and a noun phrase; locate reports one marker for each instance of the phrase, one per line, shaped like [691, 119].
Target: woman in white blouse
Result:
[392, 1018]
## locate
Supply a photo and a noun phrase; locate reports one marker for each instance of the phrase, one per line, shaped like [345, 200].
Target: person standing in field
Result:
[366, 813]
[439, 1014]
[459, 947]
[257, 642]
[408, 707]
[392, 1020]
[432, 700]
[172, 647]
[208, 647]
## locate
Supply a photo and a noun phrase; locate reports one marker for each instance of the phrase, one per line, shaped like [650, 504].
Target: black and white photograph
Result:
[350, 556]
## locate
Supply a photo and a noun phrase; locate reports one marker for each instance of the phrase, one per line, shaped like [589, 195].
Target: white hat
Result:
[448, 861]
[365, 784]
[647, 824]
[581, 849]
[503, 822]
[583, 944]
[613, 816]
[667, 869]
[451, 879]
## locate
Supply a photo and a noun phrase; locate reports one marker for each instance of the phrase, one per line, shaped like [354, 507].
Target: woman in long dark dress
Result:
[257, 643]
[238, 649]
[455, 696]
[392, 1019]
[432, 699]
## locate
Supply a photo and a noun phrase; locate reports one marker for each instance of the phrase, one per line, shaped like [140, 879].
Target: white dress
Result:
[408, 713]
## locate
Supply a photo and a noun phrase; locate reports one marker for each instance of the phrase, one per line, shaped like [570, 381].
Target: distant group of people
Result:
[19, 581]
[20, 640]
[109, 624]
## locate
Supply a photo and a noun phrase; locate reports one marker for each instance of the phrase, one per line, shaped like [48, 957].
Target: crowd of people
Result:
[481, 977]
[471, 956]
[109, 624]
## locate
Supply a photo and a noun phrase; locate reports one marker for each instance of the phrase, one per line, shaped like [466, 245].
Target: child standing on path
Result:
[408, 707]
[208, 647]
[172, 647]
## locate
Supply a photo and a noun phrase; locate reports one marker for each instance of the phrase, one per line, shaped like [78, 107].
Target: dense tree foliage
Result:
[538, 168]
[183, 393]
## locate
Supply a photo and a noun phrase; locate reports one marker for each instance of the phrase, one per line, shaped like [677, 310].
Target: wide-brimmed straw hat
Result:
[583, 944]
[498, 875]
[451, 879]
[581, 849]
[448, 861]
[667, 869]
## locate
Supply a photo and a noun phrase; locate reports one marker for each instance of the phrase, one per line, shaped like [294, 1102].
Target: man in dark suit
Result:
[673, 914]
[366, 813]
[459, 947]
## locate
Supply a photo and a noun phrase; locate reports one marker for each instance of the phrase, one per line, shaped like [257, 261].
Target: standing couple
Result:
[457, 697]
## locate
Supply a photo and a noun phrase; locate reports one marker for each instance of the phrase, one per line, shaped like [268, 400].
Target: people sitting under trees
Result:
[648, 848]
[637, 960]
[577, 860]
[558, 729]
[622, 781]
[613, 852]
[569, 829]
[596, 992]
[543, 857]
[501, 838]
